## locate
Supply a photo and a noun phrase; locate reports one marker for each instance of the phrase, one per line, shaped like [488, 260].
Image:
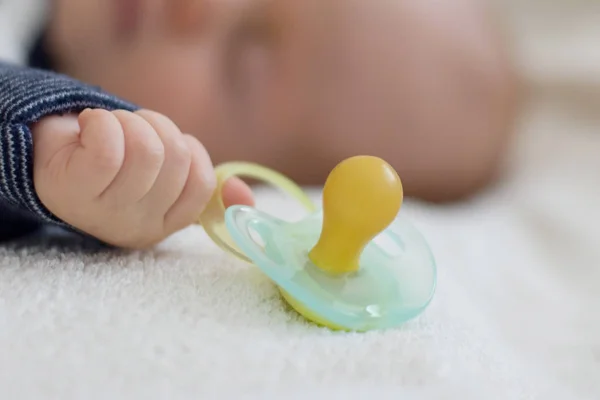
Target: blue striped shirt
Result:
[26, 96]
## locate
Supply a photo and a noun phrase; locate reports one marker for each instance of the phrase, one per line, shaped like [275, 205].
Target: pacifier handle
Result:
[213, 217]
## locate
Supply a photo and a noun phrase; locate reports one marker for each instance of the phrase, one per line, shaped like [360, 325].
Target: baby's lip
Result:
[127, 16]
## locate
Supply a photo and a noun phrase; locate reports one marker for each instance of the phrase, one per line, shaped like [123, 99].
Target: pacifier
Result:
[356, 264]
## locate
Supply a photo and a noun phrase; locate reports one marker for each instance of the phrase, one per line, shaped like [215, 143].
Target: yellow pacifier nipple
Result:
[361, 198]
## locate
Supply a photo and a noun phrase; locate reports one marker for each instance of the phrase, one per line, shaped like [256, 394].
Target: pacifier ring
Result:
[213, 217]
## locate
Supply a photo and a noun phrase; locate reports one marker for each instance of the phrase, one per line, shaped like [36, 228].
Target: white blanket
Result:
[515, 315]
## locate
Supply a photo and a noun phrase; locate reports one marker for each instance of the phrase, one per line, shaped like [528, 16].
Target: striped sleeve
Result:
[26, 96]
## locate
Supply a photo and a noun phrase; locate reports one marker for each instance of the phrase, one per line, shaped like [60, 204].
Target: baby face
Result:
[298, 84]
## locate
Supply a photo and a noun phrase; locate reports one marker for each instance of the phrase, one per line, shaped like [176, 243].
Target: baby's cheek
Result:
[180, 83]
[182, 87]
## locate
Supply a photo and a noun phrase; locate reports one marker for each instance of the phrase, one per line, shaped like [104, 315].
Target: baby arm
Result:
[75, 156]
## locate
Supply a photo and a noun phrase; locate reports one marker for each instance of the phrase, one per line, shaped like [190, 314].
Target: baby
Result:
[153, 93]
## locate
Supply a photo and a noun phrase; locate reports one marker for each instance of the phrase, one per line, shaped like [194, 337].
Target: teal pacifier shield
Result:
[396, 280]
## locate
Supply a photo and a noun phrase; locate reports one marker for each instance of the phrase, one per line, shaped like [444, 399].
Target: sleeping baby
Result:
[113, 128]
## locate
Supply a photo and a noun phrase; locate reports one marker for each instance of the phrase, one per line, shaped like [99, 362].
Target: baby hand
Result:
[128, 179]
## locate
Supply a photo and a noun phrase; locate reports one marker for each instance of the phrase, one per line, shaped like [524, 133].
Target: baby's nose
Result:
[188, 16]
[193, 16]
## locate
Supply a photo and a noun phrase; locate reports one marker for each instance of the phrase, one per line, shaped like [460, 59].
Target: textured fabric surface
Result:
[514, 316]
